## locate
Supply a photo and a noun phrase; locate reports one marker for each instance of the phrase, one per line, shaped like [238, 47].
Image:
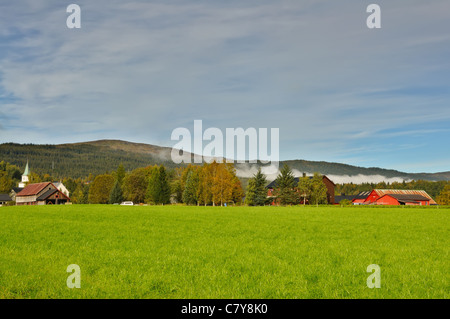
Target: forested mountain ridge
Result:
[81, 159]
[345, 169]
[98, 157]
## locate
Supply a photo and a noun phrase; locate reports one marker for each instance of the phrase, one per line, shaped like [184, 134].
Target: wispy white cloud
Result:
[138, 69]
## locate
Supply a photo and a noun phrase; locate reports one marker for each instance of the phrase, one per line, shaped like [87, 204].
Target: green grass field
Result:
[223, 252]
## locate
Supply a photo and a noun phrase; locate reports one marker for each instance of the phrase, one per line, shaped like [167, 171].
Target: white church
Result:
[25, 177]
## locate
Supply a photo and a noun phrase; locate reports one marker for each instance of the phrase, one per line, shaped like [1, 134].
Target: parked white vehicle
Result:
[127, 203]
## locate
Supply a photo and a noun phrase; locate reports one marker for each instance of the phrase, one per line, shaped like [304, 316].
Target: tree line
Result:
[433, 189]
[208, 184]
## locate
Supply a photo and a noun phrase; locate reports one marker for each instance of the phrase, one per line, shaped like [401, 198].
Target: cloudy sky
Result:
[136, 70]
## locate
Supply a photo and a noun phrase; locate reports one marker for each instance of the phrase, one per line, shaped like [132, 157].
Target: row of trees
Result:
[307, 190]
[208, 184]
[149, 185]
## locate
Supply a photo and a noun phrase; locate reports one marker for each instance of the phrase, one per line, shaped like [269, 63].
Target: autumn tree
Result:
[217, 184]
[204, 186]
[304, 188]
[444, 196]
[135, 184]
[221, 187]
[101, 189]
[237, 191]
[318, 190]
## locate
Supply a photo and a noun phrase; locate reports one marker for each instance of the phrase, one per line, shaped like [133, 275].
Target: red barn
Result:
[403, 199]
[399, 197]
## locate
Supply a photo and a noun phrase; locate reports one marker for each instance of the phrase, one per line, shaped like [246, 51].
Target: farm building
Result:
[14, 192]
[403, 199]
[328, 184]
[4, 199]
[355, 199]
[339, 198]
[399, 197]
[360, 198]
[41, 194]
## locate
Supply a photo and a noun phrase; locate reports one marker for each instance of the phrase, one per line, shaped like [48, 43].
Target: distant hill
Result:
[80, 159]
[98, 157]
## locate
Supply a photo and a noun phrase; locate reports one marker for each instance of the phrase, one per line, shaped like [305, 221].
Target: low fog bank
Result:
[272, 171]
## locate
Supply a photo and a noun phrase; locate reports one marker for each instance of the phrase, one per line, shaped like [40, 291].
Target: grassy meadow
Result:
[224, 252]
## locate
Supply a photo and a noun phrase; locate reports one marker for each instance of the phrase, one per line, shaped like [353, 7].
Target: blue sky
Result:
[137, 70]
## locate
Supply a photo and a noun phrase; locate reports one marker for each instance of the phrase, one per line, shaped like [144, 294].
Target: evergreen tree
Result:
[116, 195]
[165, 191]
[85, 199]
[177, 190]
[285, 191]
[251, 192]
[190, 193]
[256, 190]
[261, 191]
[78, 195]
[158, 191]
[152, 194]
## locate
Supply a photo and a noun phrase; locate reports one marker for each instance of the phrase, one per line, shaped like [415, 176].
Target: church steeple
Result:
[25, 178]
[26, 173]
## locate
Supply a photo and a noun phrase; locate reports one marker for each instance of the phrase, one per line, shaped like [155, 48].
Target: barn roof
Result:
[362, 195]
[5, 198]
[406, 197]
[382, 192]
[33, 189]
[338, 198]
[47, 194]
[17, 189]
